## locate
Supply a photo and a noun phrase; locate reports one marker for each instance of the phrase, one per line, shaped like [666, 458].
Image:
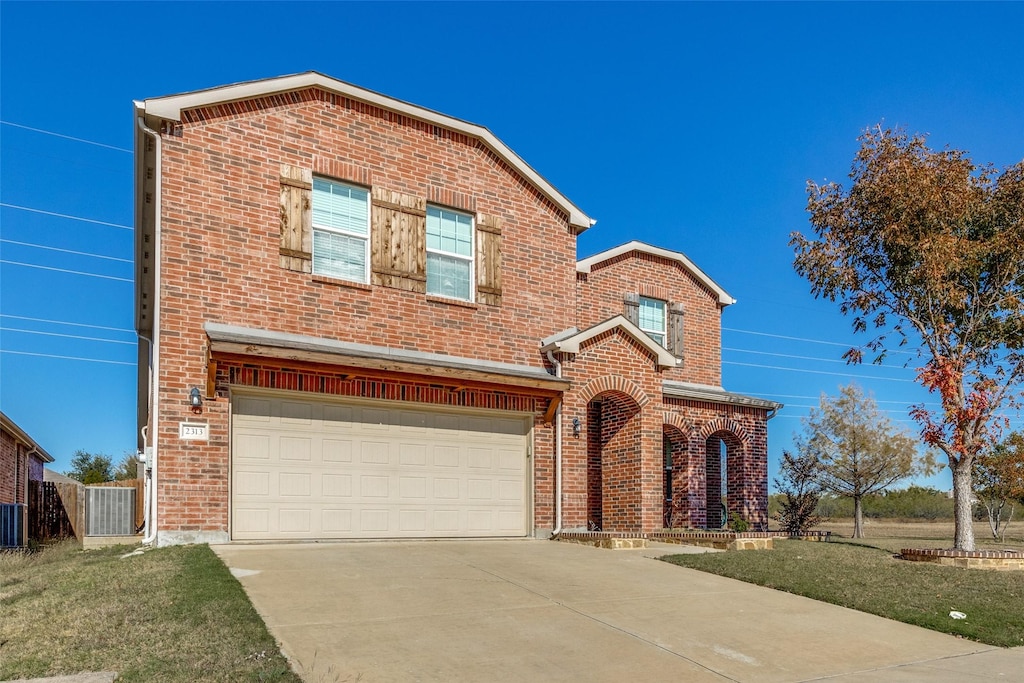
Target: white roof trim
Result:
[171, 106]
[572, 344]
[21, 435]
[585, 265]
[705, 392]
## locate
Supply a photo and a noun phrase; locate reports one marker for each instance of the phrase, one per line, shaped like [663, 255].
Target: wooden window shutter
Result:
[674, 338]
[296, 218]
[398, 240]
[632, 312]
[488, 260]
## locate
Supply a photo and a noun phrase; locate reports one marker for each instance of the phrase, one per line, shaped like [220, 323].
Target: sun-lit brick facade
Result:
[217, 197]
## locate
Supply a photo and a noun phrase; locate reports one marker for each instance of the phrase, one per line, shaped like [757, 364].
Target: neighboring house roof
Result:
[704, 392]
[255, 342]
[9, 426]
[585, 265]
[570, 340]
[171, 106]
[58, 478]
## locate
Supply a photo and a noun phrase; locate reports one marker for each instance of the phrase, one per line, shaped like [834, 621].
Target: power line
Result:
[64, 322]
[803, 339]
[814, 398]
[68, 336]
[51, 355]
[66, 137]
[787, 355]
[815, 372]
[67, 251]
[65, 270]
[64, 215]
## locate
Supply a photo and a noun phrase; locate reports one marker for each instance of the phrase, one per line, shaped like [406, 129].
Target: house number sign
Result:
[194, 431]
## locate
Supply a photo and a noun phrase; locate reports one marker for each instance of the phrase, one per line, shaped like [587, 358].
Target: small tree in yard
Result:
[798, 485]
[859, 451]
[91, 469]
[928, 247]
[999, 475]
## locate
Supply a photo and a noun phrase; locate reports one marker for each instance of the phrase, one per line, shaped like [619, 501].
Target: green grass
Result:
[169, 614]
[870, 579]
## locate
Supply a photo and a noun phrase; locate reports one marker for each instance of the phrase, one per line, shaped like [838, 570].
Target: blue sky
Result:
[690, 126]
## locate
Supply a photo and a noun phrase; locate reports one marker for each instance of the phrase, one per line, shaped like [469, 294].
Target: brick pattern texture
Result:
[221, 223]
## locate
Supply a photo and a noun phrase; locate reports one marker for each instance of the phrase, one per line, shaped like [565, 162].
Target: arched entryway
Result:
[725, 494]
[676, 508]
[614, 473]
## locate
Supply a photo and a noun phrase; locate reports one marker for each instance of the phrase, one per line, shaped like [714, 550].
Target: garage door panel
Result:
[309, 469]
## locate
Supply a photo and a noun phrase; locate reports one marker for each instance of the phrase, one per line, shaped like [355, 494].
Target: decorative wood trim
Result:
[398, 207]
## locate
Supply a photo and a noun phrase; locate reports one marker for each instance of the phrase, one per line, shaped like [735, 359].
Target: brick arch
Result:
[616, 384]
[684, 426]
[724, 424]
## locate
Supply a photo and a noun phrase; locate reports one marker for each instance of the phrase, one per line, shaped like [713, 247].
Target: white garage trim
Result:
[312, 467]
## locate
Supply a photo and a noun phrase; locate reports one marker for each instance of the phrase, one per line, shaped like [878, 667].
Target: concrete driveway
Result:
[543, 611]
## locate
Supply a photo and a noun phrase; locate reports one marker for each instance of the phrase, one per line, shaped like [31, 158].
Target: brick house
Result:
[21, 460]
[360, 318]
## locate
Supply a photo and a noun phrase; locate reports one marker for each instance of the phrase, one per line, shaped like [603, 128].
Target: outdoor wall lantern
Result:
[576, 428]
[195, 399]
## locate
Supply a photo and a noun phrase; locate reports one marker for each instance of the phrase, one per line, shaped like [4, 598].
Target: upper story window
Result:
[449, 253]
[652, 318]
[341, 230]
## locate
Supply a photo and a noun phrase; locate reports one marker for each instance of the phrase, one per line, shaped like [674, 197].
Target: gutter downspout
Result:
[558, 453]
[154, 348]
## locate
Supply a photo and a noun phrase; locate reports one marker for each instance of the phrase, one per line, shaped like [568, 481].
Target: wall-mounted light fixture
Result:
[576, 426]
[195, 399]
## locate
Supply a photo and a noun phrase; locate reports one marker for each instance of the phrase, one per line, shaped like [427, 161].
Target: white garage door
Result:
[305, 469]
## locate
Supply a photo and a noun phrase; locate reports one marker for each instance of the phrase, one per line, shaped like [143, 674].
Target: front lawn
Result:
[169, 614]
[869, 579]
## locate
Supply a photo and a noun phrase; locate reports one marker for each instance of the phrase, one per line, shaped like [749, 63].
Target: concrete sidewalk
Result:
[543, 611]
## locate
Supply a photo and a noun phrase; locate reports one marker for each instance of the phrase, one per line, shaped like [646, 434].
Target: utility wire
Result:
[51, 355]
[804, 339]
[68, 336]
[64, 322]
[66, 137]
[64, 215]
[65, 270]
[67, 251]
[787, 355]
[815, 372]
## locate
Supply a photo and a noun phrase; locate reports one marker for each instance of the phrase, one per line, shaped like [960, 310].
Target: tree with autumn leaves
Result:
[999, 481]
[925, 249]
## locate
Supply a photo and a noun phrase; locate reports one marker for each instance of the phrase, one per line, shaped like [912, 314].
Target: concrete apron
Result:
[544, 611]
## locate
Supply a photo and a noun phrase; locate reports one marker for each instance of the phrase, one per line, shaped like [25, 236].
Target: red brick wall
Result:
[12, 474]
[601, 294]
[221, 237]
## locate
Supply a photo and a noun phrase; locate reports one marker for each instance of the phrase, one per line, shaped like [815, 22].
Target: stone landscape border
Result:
[720, 540]
[997, 560]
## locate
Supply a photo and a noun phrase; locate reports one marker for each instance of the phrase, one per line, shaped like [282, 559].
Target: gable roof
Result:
[585, 265]
[170, 108]
[571, 340]
[20, 435]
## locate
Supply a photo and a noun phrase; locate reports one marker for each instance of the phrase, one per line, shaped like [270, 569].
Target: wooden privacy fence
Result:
[48, 511]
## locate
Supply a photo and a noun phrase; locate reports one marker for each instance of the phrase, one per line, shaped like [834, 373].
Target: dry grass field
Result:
[892, 534]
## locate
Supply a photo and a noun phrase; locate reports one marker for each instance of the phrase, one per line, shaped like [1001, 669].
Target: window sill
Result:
[352, 284]
[434, 298]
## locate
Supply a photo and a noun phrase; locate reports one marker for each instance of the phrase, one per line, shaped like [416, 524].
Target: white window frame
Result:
[339, 231]
[654, 333]
[471, 259]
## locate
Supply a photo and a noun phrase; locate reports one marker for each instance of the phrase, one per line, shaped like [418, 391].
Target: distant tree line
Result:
[912, 503]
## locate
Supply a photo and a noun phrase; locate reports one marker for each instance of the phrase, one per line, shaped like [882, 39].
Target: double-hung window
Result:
[449, 253]
[341, 230]
[652, 318]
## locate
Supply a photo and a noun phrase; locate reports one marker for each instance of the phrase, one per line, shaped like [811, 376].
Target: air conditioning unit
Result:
[109, 511]
[12, 525]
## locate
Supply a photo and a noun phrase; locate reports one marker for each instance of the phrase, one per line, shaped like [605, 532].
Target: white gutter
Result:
[558, 452]
[154, 347]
